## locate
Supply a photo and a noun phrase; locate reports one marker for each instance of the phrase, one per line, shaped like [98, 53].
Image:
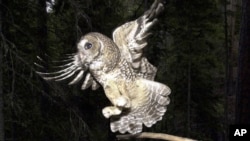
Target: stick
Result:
[153, 136]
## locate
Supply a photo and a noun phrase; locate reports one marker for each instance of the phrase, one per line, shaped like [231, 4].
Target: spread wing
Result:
[131, 38]
[70, 68]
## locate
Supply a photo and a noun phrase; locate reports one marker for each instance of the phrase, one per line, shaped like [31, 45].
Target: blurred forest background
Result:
[194, 46]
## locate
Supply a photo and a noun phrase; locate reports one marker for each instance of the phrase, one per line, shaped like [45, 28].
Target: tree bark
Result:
[189, 95]
[1, 83]
[231, 47]
[1, 98]
[243, 92]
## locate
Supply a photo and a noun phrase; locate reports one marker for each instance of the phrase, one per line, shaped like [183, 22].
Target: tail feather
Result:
[148, 112]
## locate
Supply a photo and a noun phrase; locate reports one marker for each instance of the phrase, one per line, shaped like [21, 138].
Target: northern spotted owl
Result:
[126, 76]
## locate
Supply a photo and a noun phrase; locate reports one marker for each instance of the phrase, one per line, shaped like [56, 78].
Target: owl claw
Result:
[111, 111]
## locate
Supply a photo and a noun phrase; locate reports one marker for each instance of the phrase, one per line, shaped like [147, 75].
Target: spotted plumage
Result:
[120, 68]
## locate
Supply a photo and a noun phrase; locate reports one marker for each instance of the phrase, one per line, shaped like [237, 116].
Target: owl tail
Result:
[148, 107]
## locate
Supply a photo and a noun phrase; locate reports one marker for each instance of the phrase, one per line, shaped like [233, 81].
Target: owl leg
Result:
[115, 95]
[122, 101]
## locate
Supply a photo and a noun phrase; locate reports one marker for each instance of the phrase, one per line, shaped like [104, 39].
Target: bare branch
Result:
[150, 135]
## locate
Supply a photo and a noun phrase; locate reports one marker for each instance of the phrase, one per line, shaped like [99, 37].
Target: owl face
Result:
[97, 52]
[89, 48]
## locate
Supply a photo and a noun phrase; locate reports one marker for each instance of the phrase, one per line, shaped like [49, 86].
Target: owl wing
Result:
[131, 38]
[148, 106]
[71, 68]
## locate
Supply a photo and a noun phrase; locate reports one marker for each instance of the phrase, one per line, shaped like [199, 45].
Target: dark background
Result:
[200, 47]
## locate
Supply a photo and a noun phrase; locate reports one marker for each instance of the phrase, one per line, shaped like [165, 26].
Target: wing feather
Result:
[131, 40]
[67, 70]
[147, 111]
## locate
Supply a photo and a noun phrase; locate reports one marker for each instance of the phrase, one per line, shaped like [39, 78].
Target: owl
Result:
[119, 67]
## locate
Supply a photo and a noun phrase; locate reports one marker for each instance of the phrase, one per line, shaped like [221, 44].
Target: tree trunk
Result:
[189, 97]
[231, 47]
[42, 36]
[1, 98]
[226, 70]
[243, 92]
[1, 83]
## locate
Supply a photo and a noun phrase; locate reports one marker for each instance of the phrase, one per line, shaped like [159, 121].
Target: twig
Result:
[150, 135]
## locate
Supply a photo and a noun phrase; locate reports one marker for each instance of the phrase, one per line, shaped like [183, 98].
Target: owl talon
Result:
[111, 111]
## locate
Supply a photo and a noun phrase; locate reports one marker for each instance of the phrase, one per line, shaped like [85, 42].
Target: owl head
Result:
[97, 51]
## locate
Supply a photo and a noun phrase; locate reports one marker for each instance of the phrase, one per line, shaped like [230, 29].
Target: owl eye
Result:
[88, 46]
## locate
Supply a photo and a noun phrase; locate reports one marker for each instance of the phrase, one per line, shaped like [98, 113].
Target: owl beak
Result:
[86, 66]
[83, 60]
